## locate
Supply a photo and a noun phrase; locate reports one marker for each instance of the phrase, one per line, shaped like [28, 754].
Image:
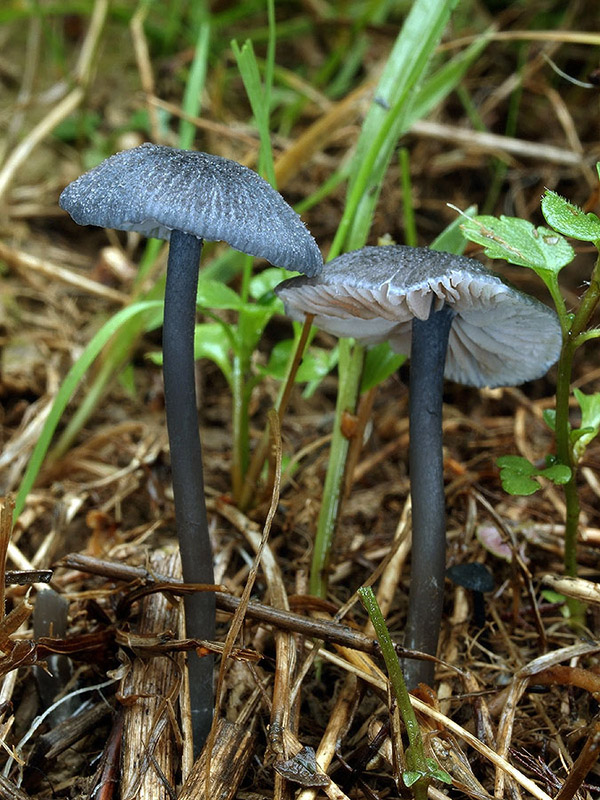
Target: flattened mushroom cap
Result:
[154, 190]
[500, 336]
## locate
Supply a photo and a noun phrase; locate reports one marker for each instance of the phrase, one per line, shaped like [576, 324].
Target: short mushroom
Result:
[477, 579]
[186, 197]
[457, 319]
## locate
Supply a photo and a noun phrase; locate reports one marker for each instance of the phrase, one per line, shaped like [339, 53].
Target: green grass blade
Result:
[259, 102]
[438, 86]
[387, 117]
[192, 98]
[68, 387]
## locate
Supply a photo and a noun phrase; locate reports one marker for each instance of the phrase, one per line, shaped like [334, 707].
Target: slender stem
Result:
[186, 466]
[350, 371]
[564, 450]
[427, 359]
[260, 453]
[416, 752]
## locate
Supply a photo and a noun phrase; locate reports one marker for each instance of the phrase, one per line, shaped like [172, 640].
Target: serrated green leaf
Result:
[380, 363]
[569, 219]
[215, 294]
[590, 420]
[519, 242]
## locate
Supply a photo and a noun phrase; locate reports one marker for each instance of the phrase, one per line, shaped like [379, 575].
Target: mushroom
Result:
[477, 579]
[186, 197]
[458, 320]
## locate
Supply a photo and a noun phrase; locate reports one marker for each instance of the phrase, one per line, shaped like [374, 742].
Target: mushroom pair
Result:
[186, 197]
[458, 320]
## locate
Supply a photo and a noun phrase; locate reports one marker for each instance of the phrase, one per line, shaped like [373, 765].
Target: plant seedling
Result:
[546, 252]
[420, 770]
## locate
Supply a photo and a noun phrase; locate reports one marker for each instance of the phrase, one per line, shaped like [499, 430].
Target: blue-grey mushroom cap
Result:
[500, 336]
[155, 190]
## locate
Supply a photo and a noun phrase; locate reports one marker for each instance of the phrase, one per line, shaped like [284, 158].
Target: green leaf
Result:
[516, 484]
[569, 219]
[451, 239]
[518, 475]
[519, 242]
[68, 387]
[251, 324]
[259, 97]
[557, 473]
[437, 86]
[590, 420]
[211, 342]
[317, 362]
[436, 772]
[517, 464]
[215, 294]
[380, 363]
[388, 116]
[264, 282]
[192, 95]
[549, 415]
[409, 777]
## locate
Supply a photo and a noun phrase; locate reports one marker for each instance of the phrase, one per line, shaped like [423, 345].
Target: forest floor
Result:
[519, 693]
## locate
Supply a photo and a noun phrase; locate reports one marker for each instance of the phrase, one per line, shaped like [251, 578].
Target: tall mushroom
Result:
[186, 197]
[457, 319]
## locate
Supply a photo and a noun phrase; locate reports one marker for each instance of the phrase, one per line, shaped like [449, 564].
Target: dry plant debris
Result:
[305, 709]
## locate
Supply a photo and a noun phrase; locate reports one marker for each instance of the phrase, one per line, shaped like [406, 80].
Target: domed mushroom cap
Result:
[154, 190]
[473, 576]
[500, 336]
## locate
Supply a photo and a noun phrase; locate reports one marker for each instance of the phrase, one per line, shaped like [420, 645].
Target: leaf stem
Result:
[350, 372]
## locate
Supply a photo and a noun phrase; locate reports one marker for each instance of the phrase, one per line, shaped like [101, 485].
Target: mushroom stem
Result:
[186, 467]
[428, 560]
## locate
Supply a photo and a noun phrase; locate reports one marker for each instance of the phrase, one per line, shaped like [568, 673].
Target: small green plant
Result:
[420, 770]
[546, 252]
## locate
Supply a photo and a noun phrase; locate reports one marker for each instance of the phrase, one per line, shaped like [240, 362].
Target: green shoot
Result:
[68, 387]
[420, 770]
[390, 115]
[546, 252]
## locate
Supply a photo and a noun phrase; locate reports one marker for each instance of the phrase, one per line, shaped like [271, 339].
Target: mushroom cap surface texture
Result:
[473, 576]
[154, 189]
[500, 336]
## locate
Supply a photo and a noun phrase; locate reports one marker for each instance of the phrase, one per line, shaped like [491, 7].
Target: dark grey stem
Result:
[428, 561]
[186, 467]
